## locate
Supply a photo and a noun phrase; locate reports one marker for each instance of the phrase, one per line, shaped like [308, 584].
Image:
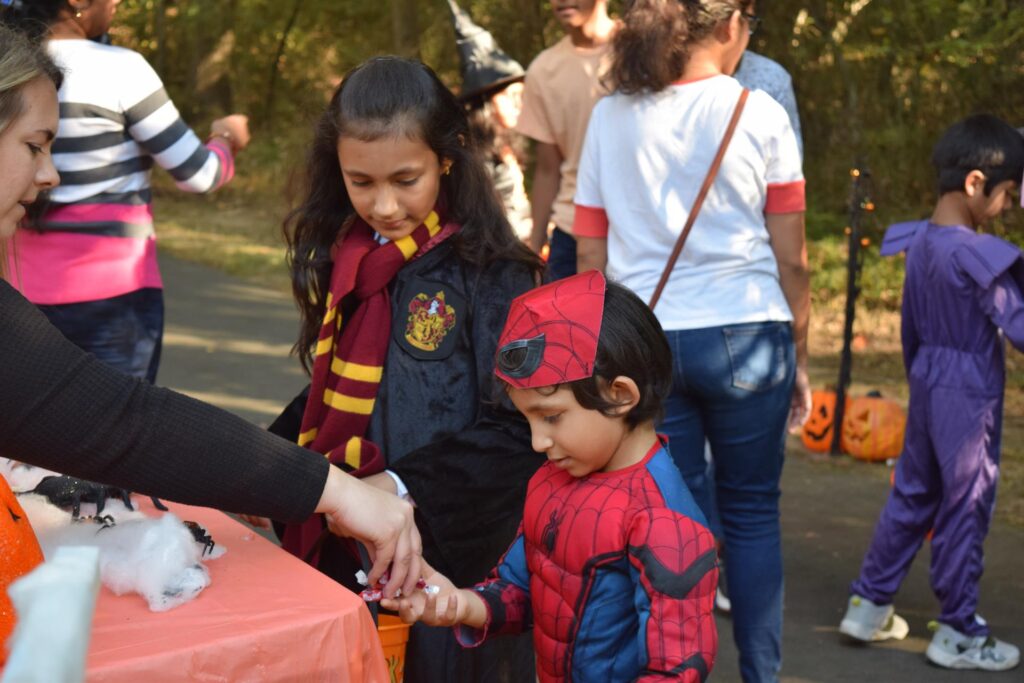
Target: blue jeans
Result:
[733, 386]
[562, 255]
[125, 332]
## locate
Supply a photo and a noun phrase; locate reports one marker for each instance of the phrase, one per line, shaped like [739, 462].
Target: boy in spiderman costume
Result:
[613, 566]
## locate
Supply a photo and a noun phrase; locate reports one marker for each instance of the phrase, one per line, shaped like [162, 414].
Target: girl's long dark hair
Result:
[387, 96]
[651, 48]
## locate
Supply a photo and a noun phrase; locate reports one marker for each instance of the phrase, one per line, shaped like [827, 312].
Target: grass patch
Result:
[235, 231]
[238, 228]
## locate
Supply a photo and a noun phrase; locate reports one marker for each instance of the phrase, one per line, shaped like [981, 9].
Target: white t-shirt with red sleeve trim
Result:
[644, 160]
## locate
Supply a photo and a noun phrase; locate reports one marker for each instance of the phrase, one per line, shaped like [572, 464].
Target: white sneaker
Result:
[864, 620]
[953, 650]
[722, 602]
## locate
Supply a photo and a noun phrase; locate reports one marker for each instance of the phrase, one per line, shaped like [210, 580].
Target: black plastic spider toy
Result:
[199, 533]
[69, 493]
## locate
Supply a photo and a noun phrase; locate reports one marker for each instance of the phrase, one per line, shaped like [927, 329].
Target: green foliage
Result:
[877, 82]
[276, 61]
[279, 60]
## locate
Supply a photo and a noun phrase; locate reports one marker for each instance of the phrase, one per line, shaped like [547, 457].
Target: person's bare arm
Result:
[547, 178]
[591, 253]
[382, 521]
[789, 244]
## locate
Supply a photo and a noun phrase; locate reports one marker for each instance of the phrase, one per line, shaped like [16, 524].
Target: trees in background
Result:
[876, 80]
[880, 80]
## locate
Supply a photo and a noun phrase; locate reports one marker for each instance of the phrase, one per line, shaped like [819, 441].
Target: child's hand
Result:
[415, 602]
[448, 607]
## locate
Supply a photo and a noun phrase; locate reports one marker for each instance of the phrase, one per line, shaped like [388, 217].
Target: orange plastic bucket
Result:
[394, 634]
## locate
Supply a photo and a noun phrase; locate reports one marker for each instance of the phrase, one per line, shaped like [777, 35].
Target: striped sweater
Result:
[96, 239]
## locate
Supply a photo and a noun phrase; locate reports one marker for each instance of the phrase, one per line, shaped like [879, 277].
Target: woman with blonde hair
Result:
[737, 300]
[62, 409]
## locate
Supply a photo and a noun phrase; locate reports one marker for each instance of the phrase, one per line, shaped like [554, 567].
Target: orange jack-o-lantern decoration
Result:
[817, 432]
[19, 554]
[873, 428]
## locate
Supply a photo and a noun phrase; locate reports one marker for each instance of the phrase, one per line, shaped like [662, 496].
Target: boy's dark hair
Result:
[632, 344]
[978, 143]
[382, 97]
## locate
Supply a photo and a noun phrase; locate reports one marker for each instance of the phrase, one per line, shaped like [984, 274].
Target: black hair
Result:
[631, 344]
[978, 143]
[382, 97]
[34, 17]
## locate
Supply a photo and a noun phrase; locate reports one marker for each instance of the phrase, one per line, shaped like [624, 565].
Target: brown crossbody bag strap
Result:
[708, 181]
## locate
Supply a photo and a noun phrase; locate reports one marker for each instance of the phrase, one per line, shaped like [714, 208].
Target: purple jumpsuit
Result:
[961, 288]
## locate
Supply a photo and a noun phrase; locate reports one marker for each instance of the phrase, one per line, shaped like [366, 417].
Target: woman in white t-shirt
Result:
[737, 304]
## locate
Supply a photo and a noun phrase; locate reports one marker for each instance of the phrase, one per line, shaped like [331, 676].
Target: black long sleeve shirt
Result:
[62, 409]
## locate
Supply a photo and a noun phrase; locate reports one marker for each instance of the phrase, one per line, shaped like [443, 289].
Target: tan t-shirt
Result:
[563, 84]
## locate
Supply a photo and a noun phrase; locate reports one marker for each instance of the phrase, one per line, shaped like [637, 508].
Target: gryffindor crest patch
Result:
[427, 318]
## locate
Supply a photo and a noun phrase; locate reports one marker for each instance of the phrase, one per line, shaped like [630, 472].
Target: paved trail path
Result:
[227, 342]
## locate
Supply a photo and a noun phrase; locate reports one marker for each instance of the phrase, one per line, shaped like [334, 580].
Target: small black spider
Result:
[69, 493]
[199, 533]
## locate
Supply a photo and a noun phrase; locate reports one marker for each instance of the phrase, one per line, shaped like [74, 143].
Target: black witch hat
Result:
[485, 66]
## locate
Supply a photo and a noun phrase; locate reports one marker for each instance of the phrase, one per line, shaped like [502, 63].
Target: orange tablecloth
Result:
[266, 616]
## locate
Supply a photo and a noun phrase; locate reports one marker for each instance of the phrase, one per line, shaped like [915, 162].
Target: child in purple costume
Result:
[961, 296]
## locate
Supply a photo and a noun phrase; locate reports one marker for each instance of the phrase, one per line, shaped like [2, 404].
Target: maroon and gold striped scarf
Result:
[349, 358]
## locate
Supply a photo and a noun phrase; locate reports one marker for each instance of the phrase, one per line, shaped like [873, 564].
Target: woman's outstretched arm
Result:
[62, 409]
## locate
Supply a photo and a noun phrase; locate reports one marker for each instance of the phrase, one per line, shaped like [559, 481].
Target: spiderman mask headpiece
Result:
[551, 333]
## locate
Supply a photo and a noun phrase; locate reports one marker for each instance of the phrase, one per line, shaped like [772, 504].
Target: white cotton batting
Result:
[158, 558]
